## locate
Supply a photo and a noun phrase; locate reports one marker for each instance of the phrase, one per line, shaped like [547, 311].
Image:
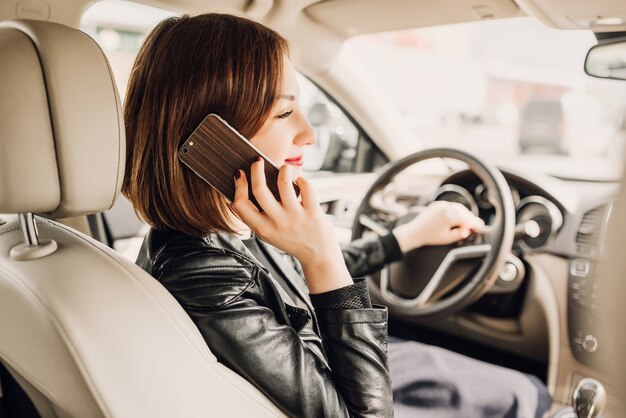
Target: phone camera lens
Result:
[185, 150]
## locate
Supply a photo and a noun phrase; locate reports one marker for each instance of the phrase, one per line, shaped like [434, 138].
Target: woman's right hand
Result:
[299, 228]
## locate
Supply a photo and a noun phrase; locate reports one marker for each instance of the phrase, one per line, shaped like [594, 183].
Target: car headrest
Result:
[62, 146]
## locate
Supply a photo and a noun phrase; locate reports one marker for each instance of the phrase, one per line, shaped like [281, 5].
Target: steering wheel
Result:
[433, 282]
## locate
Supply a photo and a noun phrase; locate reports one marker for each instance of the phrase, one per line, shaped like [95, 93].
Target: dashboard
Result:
[544, 224]
[565, 218]
[539, 215]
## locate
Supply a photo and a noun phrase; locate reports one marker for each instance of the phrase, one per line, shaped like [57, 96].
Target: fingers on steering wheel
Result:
[461, 233]
[468, 222]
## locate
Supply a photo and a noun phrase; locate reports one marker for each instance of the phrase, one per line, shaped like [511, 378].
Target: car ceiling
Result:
[350, 17]
[320, 27]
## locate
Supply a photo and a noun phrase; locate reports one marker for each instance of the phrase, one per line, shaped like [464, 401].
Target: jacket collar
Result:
[233, 242]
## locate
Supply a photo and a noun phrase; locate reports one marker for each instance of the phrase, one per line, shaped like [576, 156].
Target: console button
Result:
[579, 268]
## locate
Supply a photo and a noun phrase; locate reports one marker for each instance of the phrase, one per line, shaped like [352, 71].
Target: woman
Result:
[271, 291]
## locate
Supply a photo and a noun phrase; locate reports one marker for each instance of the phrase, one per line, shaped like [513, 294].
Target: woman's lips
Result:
[297, 161]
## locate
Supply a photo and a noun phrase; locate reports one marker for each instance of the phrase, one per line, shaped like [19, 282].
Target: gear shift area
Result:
[588, 401]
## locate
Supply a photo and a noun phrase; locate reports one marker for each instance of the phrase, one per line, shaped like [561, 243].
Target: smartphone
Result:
[215, 151]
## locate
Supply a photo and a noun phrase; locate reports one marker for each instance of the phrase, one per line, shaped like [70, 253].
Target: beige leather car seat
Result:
[85, 332]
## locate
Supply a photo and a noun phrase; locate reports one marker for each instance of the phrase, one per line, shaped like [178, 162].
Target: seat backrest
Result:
[84, 331]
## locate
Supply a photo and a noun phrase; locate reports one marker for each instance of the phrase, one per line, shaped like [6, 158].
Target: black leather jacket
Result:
[329, 363]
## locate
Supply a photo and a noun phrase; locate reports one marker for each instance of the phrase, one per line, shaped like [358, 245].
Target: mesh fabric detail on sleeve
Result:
[354, 296]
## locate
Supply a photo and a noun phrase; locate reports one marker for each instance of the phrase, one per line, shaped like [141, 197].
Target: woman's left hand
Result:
[440, 223]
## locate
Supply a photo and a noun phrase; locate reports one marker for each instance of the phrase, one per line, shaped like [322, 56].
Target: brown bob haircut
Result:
[187, 68]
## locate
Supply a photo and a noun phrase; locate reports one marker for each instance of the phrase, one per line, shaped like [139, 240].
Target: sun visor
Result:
[357, 17]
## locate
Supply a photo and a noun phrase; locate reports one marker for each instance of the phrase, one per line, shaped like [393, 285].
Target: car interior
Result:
[85, 332]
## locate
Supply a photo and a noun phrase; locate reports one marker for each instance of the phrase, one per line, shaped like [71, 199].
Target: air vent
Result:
[589, 230]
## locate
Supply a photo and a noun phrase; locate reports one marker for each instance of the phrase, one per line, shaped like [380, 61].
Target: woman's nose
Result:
[306, 134]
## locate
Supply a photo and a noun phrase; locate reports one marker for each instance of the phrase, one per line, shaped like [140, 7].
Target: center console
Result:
[584, 340]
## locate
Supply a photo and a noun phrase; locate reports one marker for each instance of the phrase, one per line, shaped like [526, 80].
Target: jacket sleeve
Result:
[229, 304]
[368, 255]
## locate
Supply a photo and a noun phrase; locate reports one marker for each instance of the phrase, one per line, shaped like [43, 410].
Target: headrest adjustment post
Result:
[29, 229]
[32, 248]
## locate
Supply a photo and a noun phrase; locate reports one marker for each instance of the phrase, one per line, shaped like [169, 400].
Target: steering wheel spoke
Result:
[454, 255]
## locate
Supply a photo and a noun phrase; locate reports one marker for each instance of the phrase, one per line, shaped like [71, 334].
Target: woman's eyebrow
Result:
[287, 97]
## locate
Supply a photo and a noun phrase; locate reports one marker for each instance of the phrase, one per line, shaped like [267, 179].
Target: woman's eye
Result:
[285, 115]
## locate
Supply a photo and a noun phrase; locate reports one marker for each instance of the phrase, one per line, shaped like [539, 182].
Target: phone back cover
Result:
[215, 151]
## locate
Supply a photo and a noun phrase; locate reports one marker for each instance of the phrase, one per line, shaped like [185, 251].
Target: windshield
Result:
[512, 92]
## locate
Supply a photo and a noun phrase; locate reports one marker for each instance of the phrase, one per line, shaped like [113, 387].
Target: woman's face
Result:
[286, 131]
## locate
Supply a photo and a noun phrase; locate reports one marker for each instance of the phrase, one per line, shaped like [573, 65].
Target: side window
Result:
[119, 27]
[341, 147]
